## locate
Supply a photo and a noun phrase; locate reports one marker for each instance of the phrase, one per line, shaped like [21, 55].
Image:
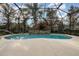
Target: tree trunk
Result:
[8, 22]
[51, 26]
[24, 25]
[19, 25]
[70, 25]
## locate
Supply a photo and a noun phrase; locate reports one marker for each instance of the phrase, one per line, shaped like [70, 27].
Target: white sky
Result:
[63, 7]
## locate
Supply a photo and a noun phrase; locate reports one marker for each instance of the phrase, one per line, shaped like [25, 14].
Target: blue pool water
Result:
[26, 36]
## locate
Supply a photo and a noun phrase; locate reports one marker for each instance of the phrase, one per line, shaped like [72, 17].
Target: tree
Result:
[73, 15]
[25, 14]
[52, 16]
[8, 12]
[34, 11]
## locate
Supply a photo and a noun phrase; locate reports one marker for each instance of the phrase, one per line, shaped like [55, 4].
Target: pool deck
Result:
[40, 47]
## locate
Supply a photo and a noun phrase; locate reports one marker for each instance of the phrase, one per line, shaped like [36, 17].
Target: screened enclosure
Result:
[39, 17]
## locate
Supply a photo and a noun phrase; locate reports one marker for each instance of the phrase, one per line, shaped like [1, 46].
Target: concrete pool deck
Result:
[40, 47]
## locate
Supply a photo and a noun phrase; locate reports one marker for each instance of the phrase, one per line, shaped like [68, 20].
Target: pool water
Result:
[26, 36]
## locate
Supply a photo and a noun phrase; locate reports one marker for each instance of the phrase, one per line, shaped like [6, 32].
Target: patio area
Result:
[40, 47]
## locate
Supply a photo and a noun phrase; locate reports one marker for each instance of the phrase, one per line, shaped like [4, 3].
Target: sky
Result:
[64, 7]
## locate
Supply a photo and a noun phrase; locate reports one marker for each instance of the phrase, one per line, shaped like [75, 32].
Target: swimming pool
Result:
[27, 36]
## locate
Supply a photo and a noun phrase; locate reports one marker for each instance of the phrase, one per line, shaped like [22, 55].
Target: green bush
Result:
[39, 32]
[3, 33]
